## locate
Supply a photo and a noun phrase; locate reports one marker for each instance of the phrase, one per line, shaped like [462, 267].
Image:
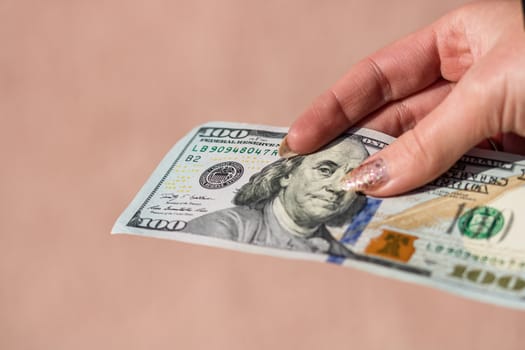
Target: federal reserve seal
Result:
[481, 223]
[221, 175]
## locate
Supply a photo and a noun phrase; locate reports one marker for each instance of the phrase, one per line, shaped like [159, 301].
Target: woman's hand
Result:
[442, 91]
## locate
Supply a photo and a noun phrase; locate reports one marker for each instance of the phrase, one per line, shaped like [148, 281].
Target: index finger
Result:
[391, 73]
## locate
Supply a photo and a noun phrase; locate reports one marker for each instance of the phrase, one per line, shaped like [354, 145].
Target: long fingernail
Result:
[367, 176]
[285, 151]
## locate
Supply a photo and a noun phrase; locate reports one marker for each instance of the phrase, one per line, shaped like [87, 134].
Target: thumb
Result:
[420, 155]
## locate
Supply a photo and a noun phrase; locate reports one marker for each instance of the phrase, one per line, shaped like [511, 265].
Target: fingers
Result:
[425, 152]
[392, 73]
[403, 115]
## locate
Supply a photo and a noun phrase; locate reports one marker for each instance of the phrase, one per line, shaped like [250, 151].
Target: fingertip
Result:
[396, 169]
[403, 170]
[301, 138]
[408, 164]
[284, 149]
[323, 121]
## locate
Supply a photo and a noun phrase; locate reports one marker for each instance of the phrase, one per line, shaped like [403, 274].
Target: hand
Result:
[442, 91]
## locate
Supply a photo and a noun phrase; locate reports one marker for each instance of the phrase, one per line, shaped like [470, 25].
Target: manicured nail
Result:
[367, 176]
[285, 151]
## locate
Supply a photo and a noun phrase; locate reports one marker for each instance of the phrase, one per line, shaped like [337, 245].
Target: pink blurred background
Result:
[94, 93]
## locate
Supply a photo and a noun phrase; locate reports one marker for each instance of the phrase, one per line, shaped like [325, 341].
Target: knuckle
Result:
[380, 79]
[404, 116]
[340, 109]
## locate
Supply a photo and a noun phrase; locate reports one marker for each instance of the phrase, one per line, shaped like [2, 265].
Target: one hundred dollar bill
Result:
[224, 185]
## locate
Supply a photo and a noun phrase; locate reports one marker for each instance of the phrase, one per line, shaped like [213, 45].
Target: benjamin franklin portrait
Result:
[290, 202]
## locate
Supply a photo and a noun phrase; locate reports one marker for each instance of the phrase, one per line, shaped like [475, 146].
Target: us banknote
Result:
[224, 185]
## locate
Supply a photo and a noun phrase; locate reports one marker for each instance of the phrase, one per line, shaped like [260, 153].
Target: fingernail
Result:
[285, 151]
[367, 176]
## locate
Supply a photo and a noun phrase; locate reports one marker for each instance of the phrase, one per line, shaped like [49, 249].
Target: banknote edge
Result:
[120, 227]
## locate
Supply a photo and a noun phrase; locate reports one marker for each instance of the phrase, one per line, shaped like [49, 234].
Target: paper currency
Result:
[224, 185]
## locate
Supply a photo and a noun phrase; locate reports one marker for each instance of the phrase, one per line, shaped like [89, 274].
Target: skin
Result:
[311, 194]
[441, 91]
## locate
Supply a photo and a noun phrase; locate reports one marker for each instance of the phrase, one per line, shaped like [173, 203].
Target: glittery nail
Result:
[285, 151]
[366, 176]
